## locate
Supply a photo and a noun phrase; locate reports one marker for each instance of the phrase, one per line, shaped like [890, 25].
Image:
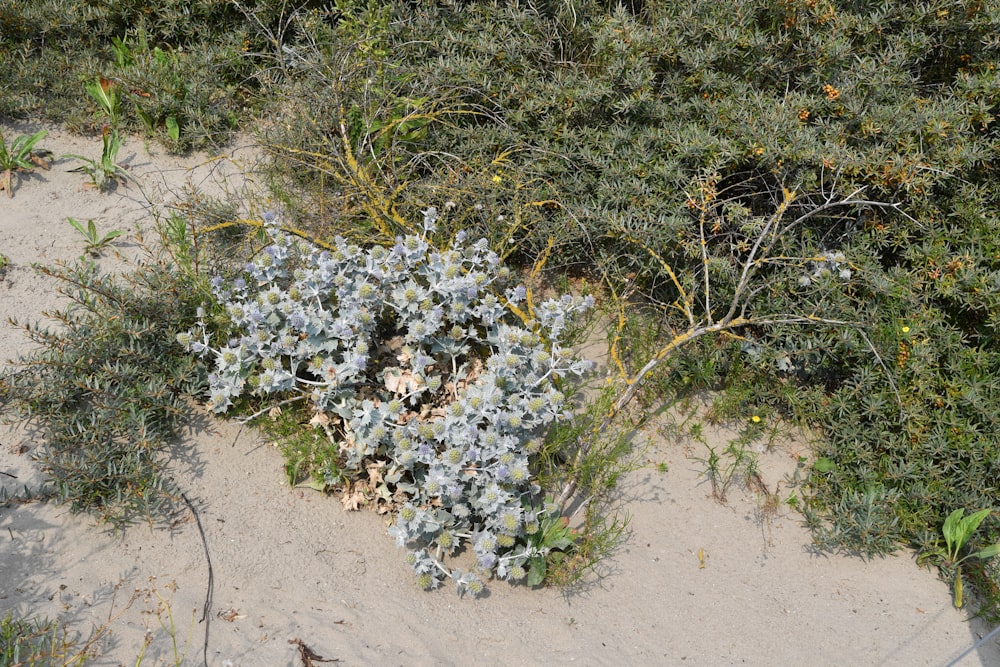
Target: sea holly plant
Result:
[435, 377]
[957, 530]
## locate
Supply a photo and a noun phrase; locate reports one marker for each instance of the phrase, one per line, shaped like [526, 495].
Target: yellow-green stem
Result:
[958, 587]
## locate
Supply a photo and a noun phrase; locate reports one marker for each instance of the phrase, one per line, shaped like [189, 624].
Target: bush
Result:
[107, 390]
[409, 358]
[198, 64]
[659, 126]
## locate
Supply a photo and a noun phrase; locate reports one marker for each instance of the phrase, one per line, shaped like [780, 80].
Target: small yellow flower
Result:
[905, 329]
[755, 419]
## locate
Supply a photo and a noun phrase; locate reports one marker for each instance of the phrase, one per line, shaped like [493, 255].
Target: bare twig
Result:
[736, 316]
[210, 588]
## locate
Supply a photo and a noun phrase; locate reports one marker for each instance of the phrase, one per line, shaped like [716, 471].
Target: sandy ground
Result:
[697, 583]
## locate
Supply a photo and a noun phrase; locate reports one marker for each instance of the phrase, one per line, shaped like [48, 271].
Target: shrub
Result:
[35, 641]
[193, 63]
[107, 389]
[653, 122]
[625, 138]
[413, 365]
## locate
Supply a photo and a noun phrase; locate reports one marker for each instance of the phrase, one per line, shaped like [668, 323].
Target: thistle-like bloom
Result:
[475, 586]
[219, 400]
[430, 219]
[510, 521]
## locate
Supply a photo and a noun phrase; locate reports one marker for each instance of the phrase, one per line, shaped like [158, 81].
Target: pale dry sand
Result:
[290, 564]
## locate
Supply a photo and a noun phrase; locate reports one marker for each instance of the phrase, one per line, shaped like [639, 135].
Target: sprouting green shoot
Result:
[94, 241]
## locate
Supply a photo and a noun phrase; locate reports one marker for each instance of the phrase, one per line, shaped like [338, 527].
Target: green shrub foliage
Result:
[646, 122]
[623, 135]
[199, 64]
[107, 389]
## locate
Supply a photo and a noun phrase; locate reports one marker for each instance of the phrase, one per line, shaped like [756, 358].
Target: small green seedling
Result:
[21, 155]
[105, 171]
[552, 540]
[123, 53]
[957, 530]
[105, 93]
[170, 122]
[95, 243]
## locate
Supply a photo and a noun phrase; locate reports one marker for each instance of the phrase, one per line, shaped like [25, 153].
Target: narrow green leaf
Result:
[77, 226]
[988, 552]
[146, 118]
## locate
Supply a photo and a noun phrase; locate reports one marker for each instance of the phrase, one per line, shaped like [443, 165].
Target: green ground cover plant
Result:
[792, 204]
[107, 390]
[104, 172]
[956, 531]
[94, 241]
[188, 71]
[29, 642]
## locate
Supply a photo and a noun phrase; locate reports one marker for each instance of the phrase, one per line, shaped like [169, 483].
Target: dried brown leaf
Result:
[375, 473]
[353, 498]
[39, 161]
[320, 419]
[401, 382]
[231, 615]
